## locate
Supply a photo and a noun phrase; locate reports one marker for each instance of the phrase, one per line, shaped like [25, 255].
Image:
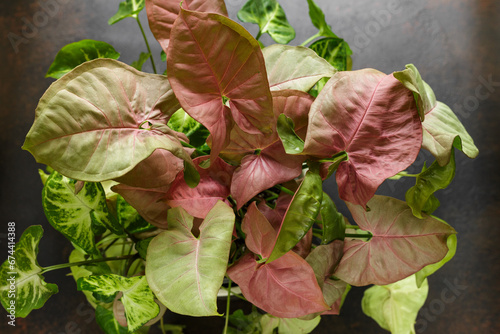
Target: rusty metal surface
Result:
[455, 45]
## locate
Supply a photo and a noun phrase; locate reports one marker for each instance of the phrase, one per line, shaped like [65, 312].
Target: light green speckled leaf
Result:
[186, 272]
[294, 67]
[138, 299]
[31, 290]
[395, 306]
[78, 217]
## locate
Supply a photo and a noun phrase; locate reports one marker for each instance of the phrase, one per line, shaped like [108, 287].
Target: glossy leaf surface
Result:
[300, 215]
[401, 245]
[292, 143]
[162, 14]
[113, 115]
[395, 306]
[74, 54]
[78, 217]
[137, 298]
[285, 288]
[270, 17]
[428, 182]
[295, 67]
[31, 290]
[186, 272]
[373, 118]
[206, 69]
[332, 220]
[214, 186]
[334, 50]
[127, 8]
[194, 131]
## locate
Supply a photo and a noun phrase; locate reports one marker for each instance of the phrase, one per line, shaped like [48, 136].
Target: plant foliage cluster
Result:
[169, 184]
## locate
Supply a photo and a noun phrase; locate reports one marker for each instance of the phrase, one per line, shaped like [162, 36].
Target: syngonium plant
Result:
[168, 185]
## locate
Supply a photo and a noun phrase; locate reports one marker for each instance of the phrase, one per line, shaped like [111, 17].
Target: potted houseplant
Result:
[168, 184]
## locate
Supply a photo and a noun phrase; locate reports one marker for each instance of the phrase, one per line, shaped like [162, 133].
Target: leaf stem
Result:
[356, 235]
[354, 227]
[258, 35]
[191, 146]
[285, 190]
[310, 39]
[71, 264]
[228, 305]
[147, 43]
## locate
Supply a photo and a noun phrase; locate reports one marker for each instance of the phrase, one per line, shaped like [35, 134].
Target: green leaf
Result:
[129, 218]
[300, 215]
[142, 247]
[395, 306]
[107, 321]
[127, 8]
[318, 20]
[195, 131]
[288, 325]
[332, 220]
[420, 276]
[186, 272]
[270, 17]
[431, 205]
[335, 51]
[308, 67]
[246, 324]
[138, 299]
[22, 287]
[74, 54]
[142, 59]
[427, 182]
[292, 143]
[43, 176]
[78, 217]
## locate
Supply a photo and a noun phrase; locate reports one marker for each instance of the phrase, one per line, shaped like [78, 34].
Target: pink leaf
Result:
[149, 203]
[211, 59]
[401, 244]
[285, 288]
[214, 185]
[260, 235]
[162, 14]
[372, 117]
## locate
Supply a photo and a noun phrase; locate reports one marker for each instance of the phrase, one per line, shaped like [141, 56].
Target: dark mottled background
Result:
[454, 44]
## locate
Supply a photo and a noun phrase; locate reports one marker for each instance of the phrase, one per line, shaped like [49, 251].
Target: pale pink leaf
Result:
[260, 235]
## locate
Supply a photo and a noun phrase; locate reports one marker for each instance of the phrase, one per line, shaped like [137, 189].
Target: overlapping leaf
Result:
[186, 272]
[101, 119]
[74, 54]
[442, 128]
[287, 325]
[334, 50]
[401, 244]
[214, 186]
[373, 118]
[23, 272]
[270, 17]
[217, 72]
[137, 298]
[271, 165]
[308, 68]
[395, 306]
[162, 14]
[333, 222]
[79, 217]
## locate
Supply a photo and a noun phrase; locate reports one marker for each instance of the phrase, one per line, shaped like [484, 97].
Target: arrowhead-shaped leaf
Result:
[270, 17]
[427, 183]
[217, 72]
[127, 8]
[334, 50]
[74, 54]
[186, 272]
[137, 298]
[324, 259]
[285, 288]
[441, 128]
[395, 306]
[20, 274]
[260, 234]
[373, 118]
[451, 243]
[300, 215]
[78, 217]
[294, 67]
[401, 244]
[101, 119]
[162, 14]
[214, 186]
